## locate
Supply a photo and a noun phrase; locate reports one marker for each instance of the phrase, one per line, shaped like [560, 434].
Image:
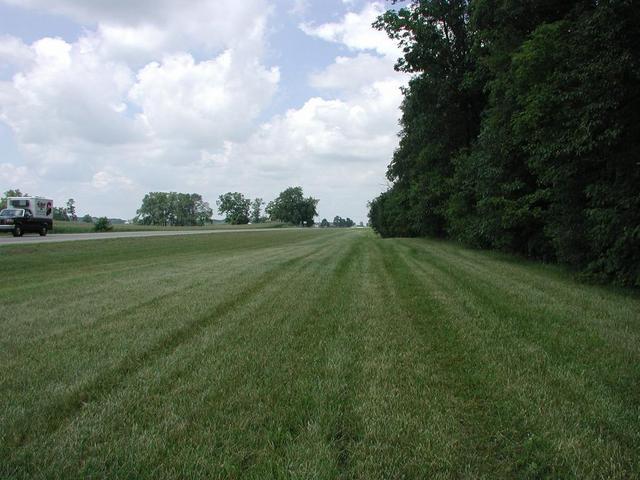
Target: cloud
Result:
[322, 131]
[337, 149]
[352, 73]
[355, 32]
[155, 96]
[299, 7]
[107, 179]
[11, 174]
[206, 102]
[13, 52]
[76, 107]
[144, 30]
[64, 92]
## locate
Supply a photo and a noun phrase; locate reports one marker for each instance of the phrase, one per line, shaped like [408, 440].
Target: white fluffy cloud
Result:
[357, 128]
[355, 32]
[161, 25]
[77, 107]
[207, 102]
[65, 106]
[155, 96]
[353, 73]
[13, 52]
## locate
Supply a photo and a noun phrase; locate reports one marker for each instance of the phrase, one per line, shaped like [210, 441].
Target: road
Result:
[71, 237]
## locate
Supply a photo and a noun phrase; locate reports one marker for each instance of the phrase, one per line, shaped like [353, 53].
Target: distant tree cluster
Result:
[338, 222]
[185, 209]
[291, 206]
[520, 130]
[60, 214]
[173, 209]
[11, 193]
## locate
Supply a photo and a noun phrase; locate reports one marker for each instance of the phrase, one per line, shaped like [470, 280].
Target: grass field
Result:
[82, 227]
[310, 354]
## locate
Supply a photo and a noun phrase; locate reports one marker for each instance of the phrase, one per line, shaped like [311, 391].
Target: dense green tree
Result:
[325, 223]
[87, 218]
[11, 193]
[102, 224]
[235, 206]
[175, 209]
[520, 130]
[291, 206]
[437, 45]
[338, 221]
[256, 211]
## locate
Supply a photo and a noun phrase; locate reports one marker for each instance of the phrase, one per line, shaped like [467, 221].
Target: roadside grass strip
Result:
[311, 354]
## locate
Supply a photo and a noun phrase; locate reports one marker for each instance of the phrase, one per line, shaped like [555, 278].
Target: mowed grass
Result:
[310, 354]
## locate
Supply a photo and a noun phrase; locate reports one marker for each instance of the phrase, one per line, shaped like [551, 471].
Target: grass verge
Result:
[311, 354]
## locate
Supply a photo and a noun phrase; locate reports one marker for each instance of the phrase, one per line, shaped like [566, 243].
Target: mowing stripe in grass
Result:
[60, 411]
[320, 265]
[537, 370]
[331, 355]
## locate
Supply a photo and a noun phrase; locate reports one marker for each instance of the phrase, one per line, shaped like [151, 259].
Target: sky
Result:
[105, 100]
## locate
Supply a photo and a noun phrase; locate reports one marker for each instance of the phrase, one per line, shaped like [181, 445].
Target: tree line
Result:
[520, 130]
[173, 209]
[338, 221]
[290, 206]
[182, 209]
[189, 209]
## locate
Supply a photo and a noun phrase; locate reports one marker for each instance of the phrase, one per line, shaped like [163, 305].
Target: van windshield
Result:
[12, 212]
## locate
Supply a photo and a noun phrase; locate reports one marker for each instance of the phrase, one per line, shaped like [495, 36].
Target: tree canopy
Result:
[71, 210]
[340, 222]
[235, 206]
[256, 211]
[520, 130]
[291, 206]
[14, 192]
[173, 209]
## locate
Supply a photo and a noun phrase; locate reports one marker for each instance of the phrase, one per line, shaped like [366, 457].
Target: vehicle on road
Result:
[27, 214]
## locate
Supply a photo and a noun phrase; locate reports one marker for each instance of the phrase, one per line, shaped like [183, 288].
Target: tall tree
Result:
[520, 130]
[235, 206]
[291, 206]
[256, 210]
[175, 209]
[11, 193]
[441, 109]
[71, 210]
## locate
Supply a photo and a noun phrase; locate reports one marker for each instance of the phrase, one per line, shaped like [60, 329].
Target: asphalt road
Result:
[29, 238]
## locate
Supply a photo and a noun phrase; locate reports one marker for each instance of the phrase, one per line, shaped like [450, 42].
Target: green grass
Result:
[311, 354]
[82, 227]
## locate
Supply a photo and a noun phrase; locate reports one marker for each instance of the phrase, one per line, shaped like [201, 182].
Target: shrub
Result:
[102, 225]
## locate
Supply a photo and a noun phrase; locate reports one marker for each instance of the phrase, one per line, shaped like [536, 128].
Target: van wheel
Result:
[17, 231]
[43, 231]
